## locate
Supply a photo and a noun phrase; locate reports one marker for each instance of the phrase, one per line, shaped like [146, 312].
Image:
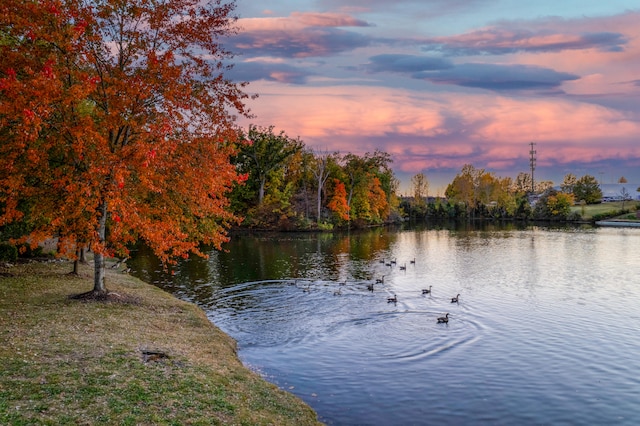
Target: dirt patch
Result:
[106, 297]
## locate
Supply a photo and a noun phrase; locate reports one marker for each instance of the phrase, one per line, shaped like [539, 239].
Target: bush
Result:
[8, 252]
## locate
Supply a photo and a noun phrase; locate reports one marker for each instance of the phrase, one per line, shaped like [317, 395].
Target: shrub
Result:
[8, 252]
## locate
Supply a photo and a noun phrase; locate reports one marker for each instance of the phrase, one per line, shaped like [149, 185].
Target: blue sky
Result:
[443, 83]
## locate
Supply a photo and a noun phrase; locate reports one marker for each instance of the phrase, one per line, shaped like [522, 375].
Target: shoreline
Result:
[153, 360]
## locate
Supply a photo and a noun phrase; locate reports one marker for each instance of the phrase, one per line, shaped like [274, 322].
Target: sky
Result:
[438, 84]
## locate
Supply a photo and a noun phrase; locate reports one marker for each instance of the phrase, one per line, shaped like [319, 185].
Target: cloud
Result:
[405, 63]
[269, 71]
[300, 35]
[502, 41]
[498, 77]
[474, 75]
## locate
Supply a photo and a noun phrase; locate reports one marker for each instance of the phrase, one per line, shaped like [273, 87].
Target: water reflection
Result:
[545, 331]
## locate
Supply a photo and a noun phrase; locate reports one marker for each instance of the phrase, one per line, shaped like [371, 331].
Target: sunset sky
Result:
[442, 83]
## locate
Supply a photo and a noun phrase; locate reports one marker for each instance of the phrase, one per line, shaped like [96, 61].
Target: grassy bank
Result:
[151, 360]
[589, 211]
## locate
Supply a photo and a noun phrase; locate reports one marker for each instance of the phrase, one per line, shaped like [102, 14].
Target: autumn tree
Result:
[522, 183]
[553, 205]
[338, 203]
[420, 186]
[568, 183]
[118, 123]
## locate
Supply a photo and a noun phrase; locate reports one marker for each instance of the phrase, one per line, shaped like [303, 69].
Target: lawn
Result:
[153, 360]
[589, 211]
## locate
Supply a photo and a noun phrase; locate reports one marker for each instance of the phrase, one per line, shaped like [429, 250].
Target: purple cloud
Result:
[498, 77]
[405, 63]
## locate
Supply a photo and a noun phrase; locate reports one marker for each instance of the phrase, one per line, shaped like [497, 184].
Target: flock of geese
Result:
[394, 299]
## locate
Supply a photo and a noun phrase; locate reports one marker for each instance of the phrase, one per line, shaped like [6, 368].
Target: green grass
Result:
[69, 362]
[589, 211]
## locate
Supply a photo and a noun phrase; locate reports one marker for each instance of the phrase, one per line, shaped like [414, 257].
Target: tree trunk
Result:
[99, 260]
[83, 255]
[319, 201]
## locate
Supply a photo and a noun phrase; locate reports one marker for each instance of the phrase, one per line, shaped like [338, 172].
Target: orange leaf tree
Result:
[118, 123]
[338, 203]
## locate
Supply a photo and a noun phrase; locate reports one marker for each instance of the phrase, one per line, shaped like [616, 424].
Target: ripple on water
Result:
[308, 313]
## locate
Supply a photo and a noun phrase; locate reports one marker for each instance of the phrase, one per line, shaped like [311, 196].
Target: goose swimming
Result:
[455, 299]
[426, 290]
[444, 319]
[393, 299]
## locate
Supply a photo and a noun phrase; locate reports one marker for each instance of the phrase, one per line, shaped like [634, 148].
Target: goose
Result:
[426, 290]
[455, 299]
[413, 261]
[444, 319]
[393, 261]
[381, 261]
[370, 287]
[393, 299]
[380, 280]
[403, 267]
[307, 288]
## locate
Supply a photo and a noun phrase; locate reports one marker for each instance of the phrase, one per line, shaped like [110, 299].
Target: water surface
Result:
[545, 330]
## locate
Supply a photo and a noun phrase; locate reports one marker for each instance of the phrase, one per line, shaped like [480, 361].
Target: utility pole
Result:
[532, 163]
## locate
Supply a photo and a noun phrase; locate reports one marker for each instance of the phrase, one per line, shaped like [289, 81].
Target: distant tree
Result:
[553, 205]
[544, 185]
[622, 179]
[463, 188]
[320, 168]
[522, 184]
[338, 203]
[265, 152]
[588, 189]
[420, 188]
[568, 183]
[624, 194]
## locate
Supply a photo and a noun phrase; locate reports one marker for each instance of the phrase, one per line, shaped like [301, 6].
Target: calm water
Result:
[546, 331]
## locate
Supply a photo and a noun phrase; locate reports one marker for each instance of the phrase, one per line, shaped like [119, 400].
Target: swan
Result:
[393, 299]
[426, 290]
[455, 299]
[444, 319]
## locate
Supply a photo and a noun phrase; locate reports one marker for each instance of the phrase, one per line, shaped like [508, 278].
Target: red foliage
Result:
[90, 132]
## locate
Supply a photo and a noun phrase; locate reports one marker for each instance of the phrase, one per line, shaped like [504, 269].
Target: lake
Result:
[546, 329]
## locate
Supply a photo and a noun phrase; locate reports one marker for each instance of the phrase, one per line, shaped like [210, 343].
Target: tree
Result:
[624, 194]
[115, 124]
[264, 153]
[320, 169]
[553, 205]
[622, 179]
[420, 188]
[588, 189]
[338, 203]
[568, 183]
[522, 184]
